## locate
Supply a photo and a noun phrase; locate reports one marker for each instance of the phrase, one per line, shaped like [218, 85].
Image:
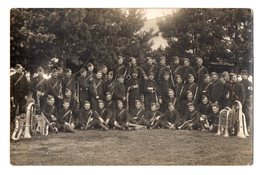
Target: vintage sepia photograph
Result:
[131, 86]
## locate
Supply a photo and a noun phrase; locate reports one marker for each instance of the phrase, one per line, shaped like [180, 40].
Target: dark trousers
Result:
[20, 102]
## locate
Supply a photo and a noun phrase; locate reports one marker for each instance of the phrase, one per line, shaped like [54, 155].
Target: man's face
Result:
[191, 79]
[199, 61]
[171, 108]
[51, 101]
[234, 78]
[19, 70]
[120, 60]
[133, 61]
[186, 63]
[68, 74]
[108, 97]
[206, 79]
[153, 108]
[244, 76]
[177, 61]
[40, 73]
[226, 77]
[120, 105]
[171, 93]
[66, 105]
[205, 100]
[214, 77]
[84, 74]
[138, 105]
[91, 68]
[179, 80]
[191, 108]
[55, 74]
[151, 77]
[215, 109]
[166, 76]
[150, 61]
[99, 75]
[121, 80]
[87, 106]
[101, 105]
[162, 62]
[190, 96]
[104, 70]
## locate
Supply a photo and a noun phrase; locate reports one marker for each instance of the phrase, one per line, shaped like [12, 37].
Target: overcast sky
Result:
[153, 13]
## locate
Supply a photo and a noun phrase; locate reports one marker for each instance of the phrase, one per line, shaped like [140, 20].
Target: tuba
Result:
[24, 124]
[242, 129]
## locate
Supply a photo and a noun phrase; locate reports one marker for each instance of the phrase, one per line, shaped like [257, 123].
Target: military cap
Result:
[18, 66]
[186, 59]
[39, 69]
[100, 101]
[189, 92]
[108, 93]
[214, 73]
[82, 70]
[66, 101]
[191, 104]
[137, 100]
[55, 71]
[244, 72]
[49, 97]
[86, 102]
[148, 58]
[225, 73]
[66, 70]
[89, 65]
[119, 101]
[176, 58]
[191, 76]
[162, 58]
[204, 96]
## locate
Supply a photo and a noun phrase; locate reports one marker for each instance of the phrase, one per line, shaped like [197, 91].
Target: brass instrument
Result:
[223, 114]
[19, 128]
[60, 95]
[242, 130]
[49, 124]
[76, 90]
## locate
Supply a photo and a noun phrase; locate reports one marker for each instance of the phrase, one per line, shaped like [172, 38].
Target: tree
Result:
[223, 35]
[76, 36]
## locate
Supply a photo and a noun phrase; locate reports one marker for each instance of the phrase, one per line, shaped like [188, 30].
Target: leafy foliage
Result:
[76, 36]
[217, 35]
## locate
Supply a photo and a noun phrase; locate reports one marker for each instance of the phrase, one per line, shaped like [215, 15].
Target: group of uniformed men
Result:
[155, 95]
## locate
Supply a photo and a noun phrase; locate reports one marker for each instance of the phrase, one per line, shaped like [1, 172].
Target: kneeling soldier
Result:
[104, 115]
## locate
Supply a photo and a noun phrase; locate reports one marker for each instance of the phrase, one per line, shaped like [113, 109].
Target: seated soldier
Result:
[172, 116]
[65, 118]
[192, 119]
[204, 107]
[137, 119]
[155, 117]
[50, 113]
[213, 118]
[121, 116]
[85, 116]
[105, 114]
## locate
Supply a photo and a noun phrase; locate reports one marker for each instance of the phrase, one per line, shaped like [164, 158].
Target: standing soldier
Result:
[150, 91]
[133, 89]
[179, 88]
[247, 107]
[217, 90]
[120, 89]
[39, 88]
[83, 87]
[68, 81]
[120, 68]
[149, 67]
[205, 88]
[55, 88]
[90, 74]
[227, 84]
[165, 85]
[237, 91]
[187, 70]
[176, 68]
[109, 102]
[200, 70]
[96, 90]
[131, 68]
[161, 68]
[192, 87]
[109, 84]
[19, 90]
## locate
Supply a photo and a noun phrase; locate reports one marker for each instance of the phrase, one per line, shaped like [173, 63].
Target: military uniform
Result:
[84, 118]
[134, 92]
[55, 89]
[150, 91]
[96, 92]
[65, 116]
[121, 117]
[237, 92]
[172, 117]
[19, 90]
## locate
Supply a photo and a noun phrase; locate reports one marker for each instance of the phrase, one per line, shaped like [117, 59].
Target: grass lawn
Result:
[143, 147]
